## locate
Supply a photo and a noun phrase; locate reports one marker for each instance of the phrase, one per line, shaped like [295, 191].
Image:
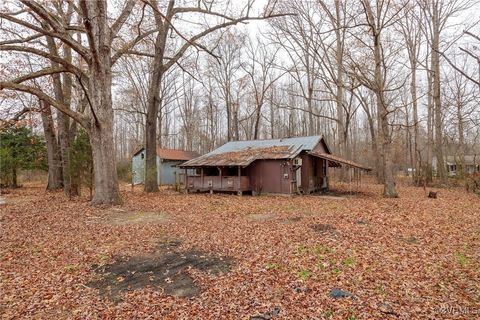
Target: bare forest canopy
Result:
[394, 84]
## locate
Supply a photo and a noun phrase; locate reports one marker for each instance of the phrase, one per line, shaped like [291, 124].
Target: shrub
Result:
[472, 183]
[20, 149]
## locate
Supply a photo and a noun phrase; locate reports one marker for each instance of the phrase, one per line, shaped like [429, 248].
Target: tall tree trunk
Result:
[229, 117]
[101, 127]
[67, 85]
[212, 125]
[339, 98]
[436, 94]
[153, 101]
[385, 138]
[55, 178]
[272, 114]
[258, 113]
[236, 127]
[311, 124]
[101, 140]
[389, 189]
[63, 122]
[408, 143]
[151, 180]
[429, 165]
[63, 93]
[461, 138]
[374, 145]
[413, 92]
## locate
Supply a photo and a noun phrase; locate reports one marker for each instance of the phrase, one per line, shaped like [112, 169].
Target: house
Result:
[453, 164]
[277, 166]
[168, 172]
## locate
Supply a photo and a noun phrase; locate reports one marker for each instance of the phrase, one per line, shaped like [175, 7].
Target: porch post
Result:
[326, 173]
[220, 175]
[239, 191]
[186, 181]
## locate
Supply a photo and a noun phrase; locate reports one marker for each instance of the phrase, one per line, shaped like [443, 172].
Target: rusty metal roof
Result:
[242, 153]
[336, 161]
[172, 154]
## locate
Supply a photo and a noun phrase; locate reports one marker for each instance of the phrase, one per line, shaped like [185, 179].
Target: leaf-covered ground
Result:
[407, 258]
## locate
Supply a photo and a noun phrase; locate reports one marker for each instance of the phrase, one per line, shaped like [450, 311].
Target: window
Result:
[142, 155]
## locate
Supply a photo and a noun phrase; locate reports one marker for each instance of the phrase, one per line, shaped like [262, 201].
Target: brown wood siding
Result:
[320, 147]
[217, 183]
[312, 173]
[271, 176]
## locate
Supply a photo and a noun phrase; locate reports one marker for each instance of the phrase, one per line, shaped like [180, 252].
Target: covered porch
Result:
[218, 179]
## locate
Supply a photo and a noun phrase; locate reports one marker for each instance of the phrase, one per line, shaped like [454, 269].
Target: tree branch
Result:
[67, 65]
[80, 118]
[65, 38]
[117, 25]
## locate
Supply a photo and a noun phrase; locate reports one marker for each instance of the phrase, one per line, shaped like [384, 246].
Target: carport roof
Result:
[336, 161]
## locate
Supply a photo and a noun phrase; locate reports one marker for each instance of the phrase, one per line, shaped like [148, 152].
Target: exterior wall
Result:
[469, 169]
[262, 176]
[138, 168]
[217, 183]
[271, 176]
[314, 174]
[320, 147]
[167, 173]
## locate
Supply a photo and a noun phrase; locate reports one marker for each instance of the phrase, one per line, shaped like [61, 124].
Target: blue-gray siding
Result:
[167, 170]
[138, 168]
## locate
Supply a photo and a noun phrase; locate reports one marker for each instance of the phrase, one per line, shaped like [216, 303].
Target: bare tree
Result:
[96, 80]
[436, 15]
[227, 77]
[260, 70]
[410, 29]
[461, 99]
[165, 20]
[300, 44]
[378, 18]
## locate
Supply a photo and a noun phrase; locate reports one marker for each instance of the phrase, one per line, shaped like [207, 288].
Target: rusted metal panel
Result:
[174, 154]
[243, 157]
[243, 153]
